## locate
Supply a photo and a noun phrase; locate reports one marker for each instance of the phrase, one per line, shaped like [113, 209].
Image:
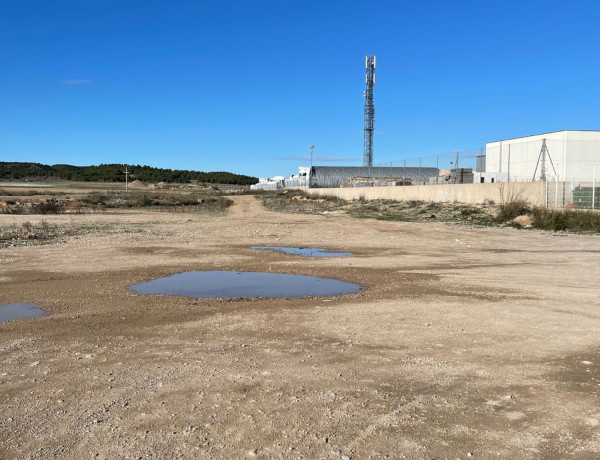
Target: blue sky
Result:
[248, 86]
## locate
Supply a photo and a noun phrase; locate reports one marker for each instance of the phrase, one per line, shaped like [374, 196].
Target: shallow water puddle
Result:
[309, 252]
[12, 311]
[230, 284]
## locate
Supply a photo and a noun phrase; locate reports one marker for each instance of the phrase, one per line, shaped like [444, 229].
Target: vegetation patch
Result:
[413, 210]
[512, 203]
[19, 234]
[155, 199]
[566, 219]
[297, 201]
[92, 202]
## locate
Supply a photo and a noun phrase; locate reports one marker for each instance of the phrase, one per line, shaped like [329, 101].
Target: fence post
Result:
[556, 193]
[594, 186]
[508, 167]
[437, 166]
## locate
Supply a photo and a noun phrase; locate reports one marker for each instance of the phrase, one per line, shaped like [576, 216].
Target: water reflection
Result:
[230, 284]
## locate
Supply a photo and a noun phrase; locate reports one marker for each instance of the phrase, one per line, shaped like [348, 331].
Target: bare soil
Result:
[466, 342]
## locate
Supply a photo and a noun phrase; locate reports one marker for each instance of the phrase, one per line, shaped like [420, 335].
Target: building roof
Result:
[549, 132]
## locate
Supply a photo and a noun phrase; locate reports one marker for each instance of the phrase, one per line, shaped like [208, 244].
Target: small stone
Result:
[337, 451]
[376, 453]
[469, 454]
[523, 221]
[345, 457]
[253, 452]
[35, 363]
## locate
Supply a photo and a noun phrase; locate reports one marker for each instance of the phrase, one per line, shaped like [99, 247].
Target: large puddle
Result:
[23, 184]
[309, 252]
[12, 311]
[229, 284]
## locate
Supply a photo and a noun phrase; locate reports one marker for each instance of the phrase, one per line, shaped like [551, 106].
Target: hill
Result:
[114, 173]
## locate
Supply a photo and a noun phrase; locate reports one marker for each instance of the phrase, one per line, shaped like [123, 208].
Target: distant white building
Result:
[268, 183]
[279, 182]
[569, 156]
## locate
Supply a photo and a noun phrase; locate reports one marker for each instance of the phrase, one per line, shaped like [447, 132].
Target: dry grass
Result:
[296, 201]
[512, 204]
[566, 219]
[100, 201]
[28, 232]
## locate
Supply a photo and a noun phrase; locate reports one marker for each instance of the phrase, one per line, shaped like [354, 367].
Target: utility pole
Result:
[126, 172]
[369, 111]
[312, 148]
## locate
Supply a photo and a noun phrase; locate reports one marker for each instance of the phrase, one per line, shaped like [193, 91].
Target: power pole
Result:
[312, 148]
[126, 172]
[369, 111]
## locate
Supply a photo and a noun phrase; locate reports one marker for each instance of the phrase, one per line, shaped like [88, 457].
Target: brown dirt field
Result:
[465, 342]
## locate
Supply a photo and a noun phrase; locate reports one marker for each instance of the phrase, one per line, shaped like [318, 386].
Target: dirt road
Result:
[465, 342]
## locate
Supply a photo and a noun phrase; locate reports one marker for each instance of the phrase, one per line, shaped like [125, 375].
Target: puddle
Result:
[12, 311]
[23, 184]
[229, 284]
[309, 252]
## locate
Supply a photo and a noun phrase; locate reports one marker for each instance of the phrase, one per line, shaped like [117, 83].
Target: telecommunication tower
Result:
[369, 111]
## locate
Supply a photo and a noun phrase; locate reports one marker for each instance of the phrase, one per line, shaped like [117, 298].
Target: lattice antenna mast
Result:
[544, 152]
[369, 111]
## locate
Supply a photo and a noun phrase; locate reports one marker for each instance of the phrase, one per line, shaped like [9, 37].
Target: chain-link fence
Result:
[572, 194]
[567, 167]
[453, 167]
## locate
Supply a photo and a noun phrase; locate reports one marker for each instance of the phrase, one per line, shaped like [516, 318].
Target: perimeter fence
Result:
[568, 169]
[444, 162]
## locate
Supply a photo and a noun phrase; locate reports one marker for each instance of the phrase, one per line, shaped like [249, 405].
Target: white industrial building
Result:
[570, 155]
[279, 182]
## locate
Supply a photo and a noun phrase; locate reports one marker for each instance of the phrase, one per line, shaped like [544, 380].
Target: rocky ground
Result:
[466, 342]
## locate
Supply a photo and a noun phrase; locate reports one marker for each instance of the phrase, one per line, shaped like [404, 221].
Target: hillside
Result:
[114, 173]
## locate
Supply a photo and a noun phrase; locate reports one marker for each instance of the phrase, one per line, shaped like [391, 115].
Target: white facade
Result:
[571, 155]
[279, 182]
[489, 177]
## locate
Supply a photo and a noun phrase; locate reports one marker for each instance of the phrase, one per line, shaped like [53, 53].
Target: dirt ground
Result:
[465, 342]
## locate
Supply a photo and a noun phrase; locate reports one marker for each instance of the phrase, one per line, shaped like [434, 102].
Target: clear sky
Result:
[248, 86]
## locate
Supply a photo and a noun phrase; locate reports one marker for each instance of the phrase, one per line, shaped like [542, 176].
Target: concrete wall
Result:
[534, 192]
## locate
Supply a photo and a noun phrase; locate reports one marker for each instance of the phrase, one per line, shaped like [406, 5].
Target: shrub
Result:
[512, 203]
[52, 206]
[566, 219]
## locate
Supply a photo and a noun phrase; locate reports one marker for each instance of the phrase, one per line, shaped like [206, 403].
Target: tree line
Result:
[115, 173]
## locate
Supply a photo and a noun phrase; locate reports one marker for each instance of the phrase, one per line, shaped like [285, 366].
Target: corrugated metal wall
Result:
[337, 176]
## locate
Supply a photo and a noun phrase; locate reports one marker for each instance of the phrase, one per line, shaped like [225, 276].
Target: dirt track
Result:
[465, 343]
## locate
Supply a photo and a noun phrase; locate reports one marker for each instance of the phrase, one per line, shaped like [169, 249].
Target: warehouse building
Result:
[567, 156]
[356, 176]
